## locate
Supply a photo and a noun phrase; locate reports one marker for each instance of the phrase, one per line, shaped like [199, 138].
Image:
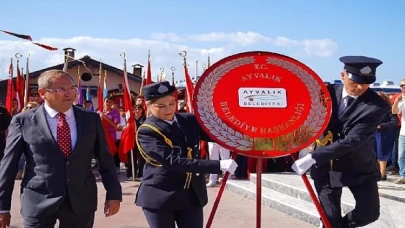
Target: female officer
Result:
[173, 188]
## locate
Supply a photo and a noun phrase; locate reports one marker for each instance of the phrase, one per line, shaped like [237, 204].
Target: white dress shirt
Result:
[172, 121]
[401, 108]
[345, 94]
[52, 119]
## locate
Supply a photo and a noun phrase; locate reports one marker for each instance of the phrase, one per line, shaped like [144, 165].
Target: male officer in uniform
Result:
[349, 158]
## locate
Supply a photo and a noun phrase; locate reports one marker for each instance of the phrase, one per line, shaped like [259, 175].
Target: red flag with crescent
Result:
[10, 96]
[128, 134]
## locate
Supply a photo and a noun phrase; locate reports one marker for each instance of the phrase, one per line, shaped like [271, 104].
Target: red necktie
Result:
[63, 135]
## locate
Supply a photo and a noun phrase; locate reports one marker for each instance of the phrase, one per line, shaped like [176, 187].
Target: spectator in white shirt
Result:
[399, 108]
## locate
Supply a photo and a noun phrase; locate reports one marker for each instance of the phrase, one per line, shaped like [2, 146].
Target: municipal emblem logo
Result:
[365, 70]
[162, 89]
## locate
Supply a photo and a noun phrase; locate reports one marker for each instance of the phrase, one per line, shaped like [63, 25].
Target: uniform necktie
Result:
[176, 125]
[63, 135]
[344, 104]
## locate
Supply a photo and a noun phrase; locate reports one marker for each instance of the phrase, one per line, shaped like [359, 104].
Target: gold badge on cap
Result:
[162, 89]
[366, 70]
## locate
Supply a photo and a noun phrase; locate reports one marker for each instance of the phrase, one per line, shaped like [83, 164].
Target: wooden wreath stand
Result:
[259, 172]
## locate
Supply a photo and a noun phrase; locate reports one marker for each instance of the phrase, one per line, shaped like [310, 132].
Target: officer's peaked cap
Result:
[157, 90]
[361, 69]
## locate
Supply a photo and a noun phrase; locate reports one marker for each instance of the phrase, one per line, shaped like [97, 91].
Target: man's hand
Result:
[111, 207]
[5, 220]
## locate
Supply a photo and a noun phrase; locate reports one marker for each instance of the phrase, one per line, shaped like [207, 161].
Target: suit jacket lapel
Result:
[186, 130]
[43, 126]
[80, 123]
[338, 94]
[348, 113]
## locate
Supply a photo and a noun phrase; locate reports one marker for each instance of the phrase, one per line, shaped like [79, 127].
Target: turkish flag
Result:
[128, 134]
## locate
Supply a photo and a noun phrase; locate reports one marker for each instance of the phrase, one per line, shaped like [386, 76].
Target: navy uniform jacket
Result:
[163, 187]
[49, 177]
[352, 150]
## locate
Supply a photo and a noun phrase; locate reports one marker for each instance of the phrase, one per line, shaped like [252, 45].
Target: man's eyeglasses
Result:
[28, 107]
[402, 86]
[63, 90]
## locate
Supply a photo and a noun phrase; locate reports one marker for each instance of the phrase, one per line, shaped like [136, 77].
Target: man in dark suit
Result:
[5, 119]
[349, 160]
[59, 141]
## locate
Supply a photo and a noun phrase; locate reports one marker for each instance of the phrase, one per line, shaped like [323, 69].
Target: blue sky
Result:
[371, 28]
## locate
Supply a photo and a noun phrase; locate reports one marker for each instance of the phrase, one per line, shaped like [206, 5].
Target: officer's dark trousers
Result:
[191, 218]
[241, 170]
[366, 211]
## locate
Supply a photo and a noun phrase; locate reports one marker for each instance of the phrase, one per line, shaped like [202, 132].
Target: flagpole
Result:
[173, 69]
[196, 69]
[189, 85]
[204, 66]
[27, 81]
[132, 150]
[9, 98]
[143, 81]
[22, 102]
[79, 94]
[17, 83]
[176, 97]
[22, 73]
[105, 90]
[162, 74]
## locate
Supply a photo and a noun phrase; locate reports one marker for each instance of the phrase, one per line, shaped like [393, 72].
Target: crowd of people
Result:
[386, 141]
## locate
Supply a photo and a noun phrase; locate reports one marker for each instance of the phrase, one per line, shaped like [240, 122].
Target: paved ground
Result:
[233, 211]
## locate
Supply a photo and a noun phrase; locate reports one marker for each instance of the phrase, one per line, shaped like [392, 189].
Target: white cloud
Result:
[241, 38]
[323, 48]
[164, 49]
[169, 37]
[319, 47]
